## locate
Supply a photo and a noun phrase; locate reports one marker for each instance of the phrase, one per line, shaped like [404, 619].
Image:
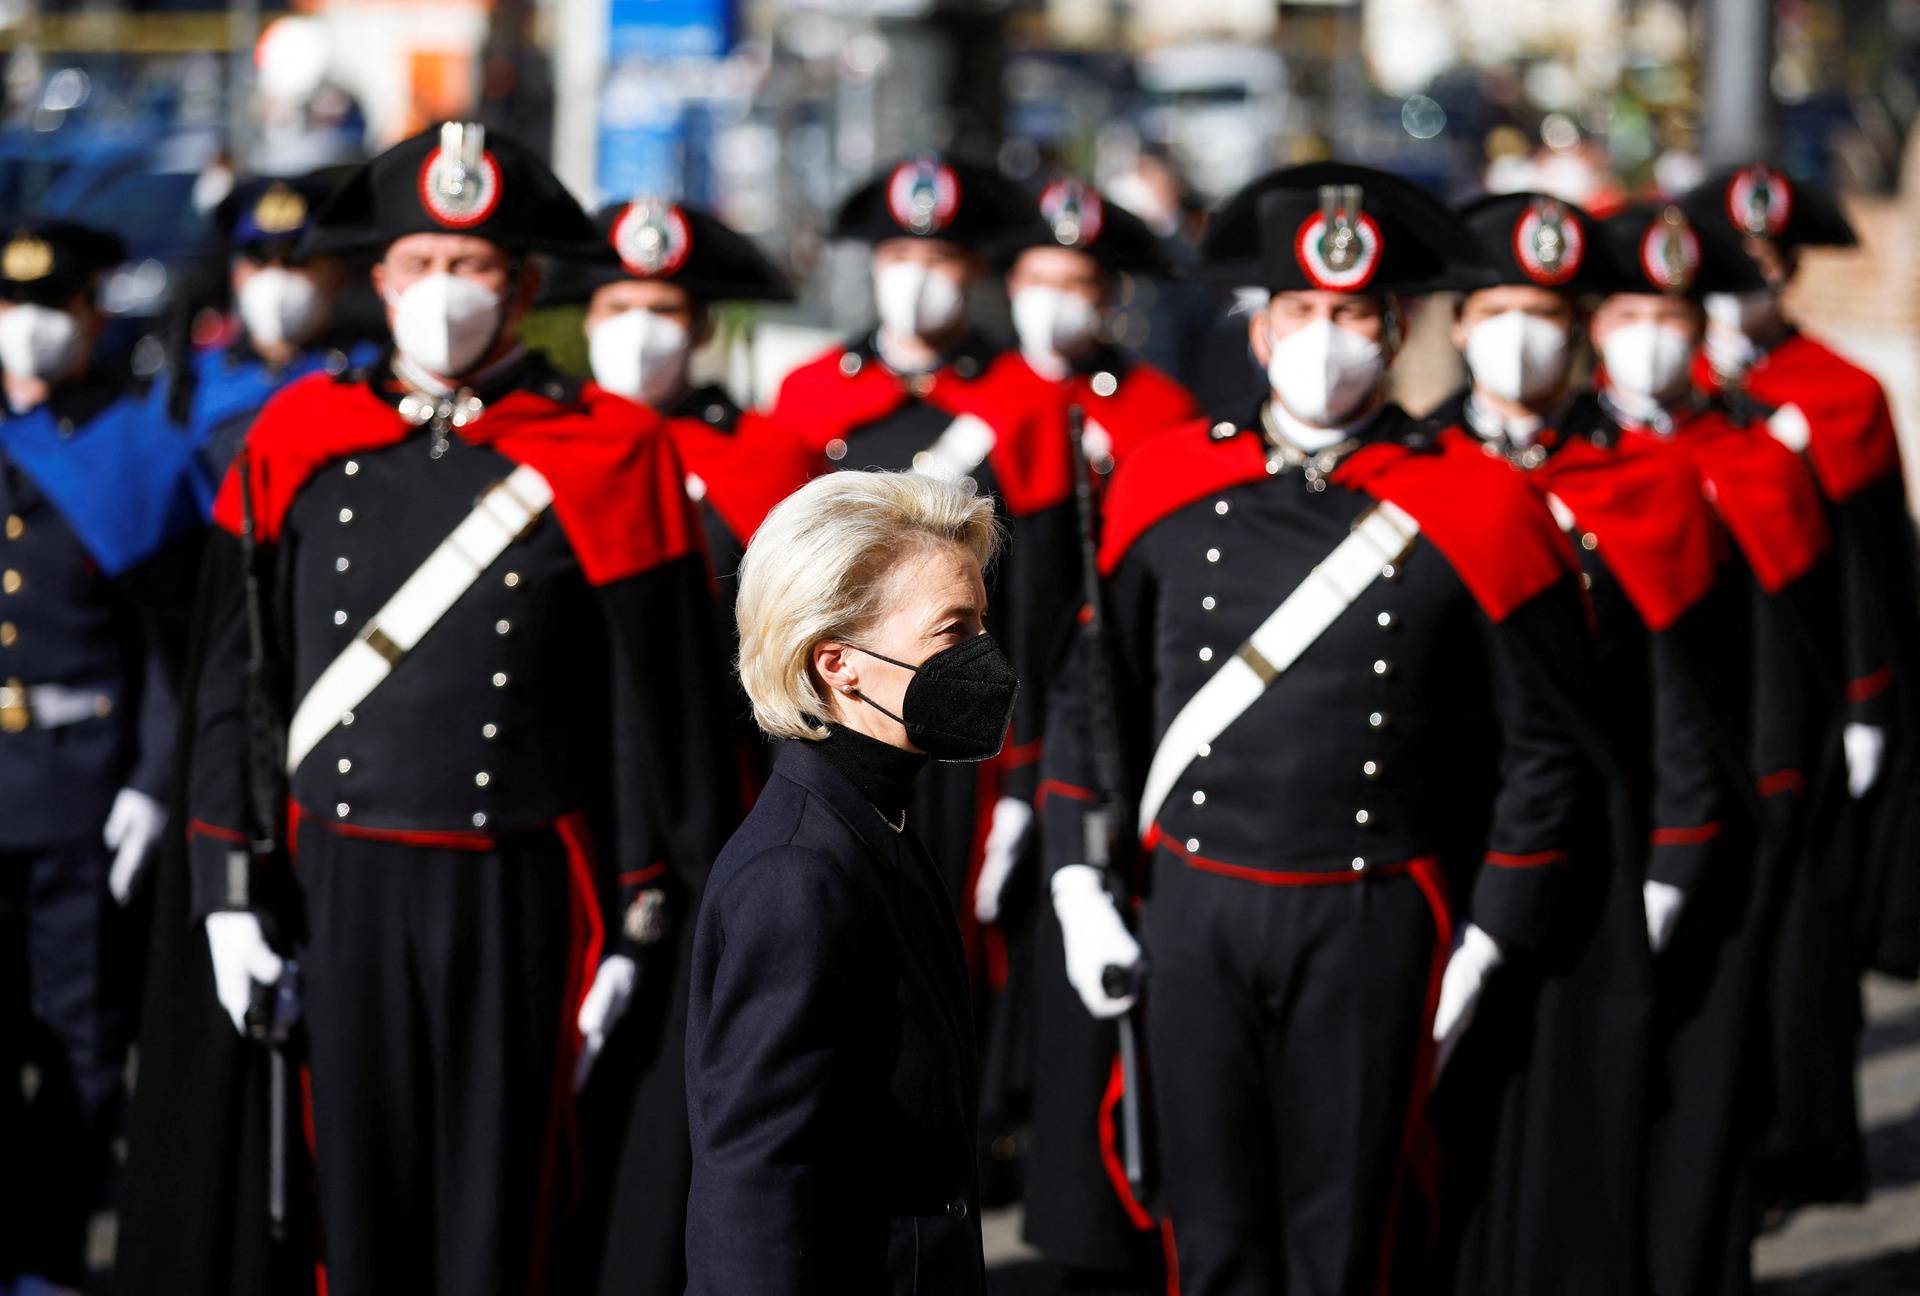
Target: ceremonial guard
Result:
[649, 307]
[1836, 416]
[912, 394]
[286, 323]
[102, 518]
[1542, 1116]
[485, 593]
[1346, 667]
[648, 311]
[1776, 692]
[1063, 272]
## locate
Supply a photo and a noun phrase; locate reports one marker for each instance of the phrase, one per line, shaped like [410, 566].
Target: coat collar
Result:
[802, 762]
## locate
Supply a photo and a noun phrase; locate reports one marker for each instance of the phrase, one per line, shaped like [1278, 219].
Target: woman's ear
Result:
[833, 662]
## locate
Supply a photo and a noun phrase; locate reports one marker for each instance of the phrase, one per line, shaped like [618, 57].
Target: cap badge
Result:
[279, 211]
[1670, 252]
[923, 195]
[652, 238]
[1339, 246]
[28, 257]
[1548, 243]
[460, 181]
[1760, 201]
[1073, 212]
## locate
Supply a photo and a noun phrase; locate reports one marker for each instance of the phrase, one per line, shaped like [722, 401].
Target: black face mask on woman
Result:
[959, 702]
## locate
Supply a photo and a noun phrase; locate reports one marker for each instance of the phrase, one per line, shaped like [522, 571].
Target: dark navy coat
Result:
[831, 1078]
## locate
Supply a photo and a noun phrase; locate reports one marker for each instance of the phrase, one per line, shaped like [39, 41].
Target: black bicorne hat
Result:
[1658, 250]
[1075, 216]
[47, 262]
[1338, 227]
[1760, 202]
[457, 178]
[934, 197]
[1539, 241]
[672, 242]
[269, 215]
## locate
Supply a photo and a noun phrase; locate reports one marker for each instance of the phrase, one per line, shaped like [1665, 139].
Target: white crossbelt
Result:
[504, 513]
[1381, 537]
[958, 450]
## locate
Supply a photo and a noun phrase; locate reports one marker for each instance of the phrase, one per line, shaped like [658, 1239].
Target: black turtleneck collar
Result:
[883, 773]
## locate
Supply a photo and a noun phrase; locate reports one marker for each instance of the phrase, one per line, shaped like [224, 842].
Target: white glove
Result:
[241, 957]
[1012, 818]
[605, 1004]
[1864, 745]
[1095, 938]
[134, 824]
[1663, 902]
[1475, 955]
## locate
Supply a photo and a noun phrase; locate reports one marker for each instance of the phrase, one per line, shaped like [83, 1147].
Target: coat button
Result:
[1208, 602]
[16, 526]
[1213, 555]
[351, 467]
[836, 449]
[499, 679]
[489, 731]
[957, 1208]
[339, 616]
[346, 516]
[850, 364]
[1105, 384]
[1220, 507]
[482, 778]
[480, 819]
[341, 563]
[1589, 542]
[1377, 720]
[503, 627]
[1362, 817]
[511, 580]
[1359, 864]
[9, 634]
[342, 810]
[920, 384]
[1199, 797]
[1206, 654]
[1383, 668]
[344, 765]
[1386, 620]
[1390, 572]
[1222, 431]
[11, 581]
[714, 413]
[1371, 769]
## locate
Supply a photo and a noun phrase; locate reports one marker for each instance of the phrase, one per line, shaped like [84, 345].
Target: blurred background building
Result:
[136, 113]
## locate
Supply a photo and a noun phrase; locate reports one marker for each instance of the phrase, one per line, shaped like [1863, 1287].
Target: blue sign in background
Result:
[669, 29]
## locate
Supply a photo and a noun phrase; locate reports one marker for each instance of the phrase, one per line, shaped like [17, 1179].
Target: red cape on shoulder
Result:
[1759, 489]
[1850, 437]
[619, 492]
[1035, 469]
[1495, 533]
[1654, 531]
[747, 471]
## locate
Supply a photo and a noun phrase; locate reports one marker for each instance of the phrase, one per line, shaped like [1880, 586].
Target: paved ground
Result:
[1869, 1250]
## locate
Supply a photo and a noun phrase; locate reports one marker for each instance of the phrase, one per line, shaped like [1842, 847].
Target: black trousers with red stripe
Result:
[439, 988]
[1284, 1024]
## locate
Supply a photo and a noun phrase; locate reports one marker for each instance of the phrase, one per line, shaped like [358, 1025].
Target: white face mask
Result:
[280, 306]
[1519, 357]
[640, 355]
[1751, 313]
[1648, 362]
[914, 302]
[1053, 325]
[39, 342]
[1734, 322]
[445, 323]
[1322, 373]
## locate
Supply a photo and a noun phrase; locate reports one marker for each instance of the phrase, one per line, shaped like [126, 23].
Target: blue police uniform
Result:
[100, 513]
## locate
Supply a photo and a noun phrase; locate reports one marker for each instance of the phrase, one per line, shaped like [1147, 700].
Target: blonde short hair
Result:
[816, 571]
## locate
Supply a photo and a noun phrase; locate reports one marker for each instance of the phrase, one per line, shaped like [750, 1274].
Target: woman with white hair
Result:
[831, 1075]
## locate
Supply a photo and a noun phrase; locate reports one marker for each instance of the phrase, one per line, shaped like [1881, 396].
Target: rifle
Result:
[1104, 816]
[266, 833]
